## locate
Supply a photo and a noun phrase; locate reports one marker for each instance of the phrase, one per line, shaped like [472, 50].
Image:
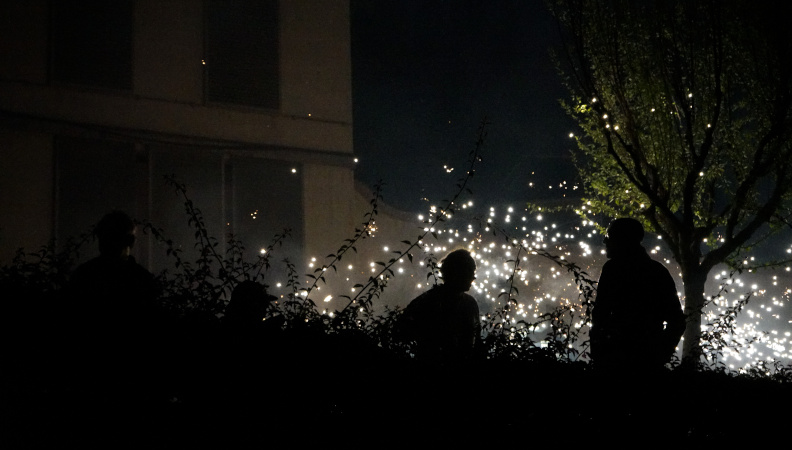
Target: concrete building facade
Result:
[246, 102]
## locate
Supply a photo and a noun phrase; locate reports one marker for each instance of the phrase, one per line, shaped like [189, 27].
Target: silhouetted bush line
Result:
[348, 369]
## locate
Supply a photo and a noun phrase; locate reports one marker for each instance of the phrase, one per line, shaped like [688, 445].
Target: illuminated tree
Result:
[685, 109]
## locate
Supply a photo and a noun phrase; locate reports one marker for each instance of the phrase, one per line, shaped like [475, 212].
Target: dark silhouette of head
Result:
[458, 270]
[623, 236]
[116, 234]
[249, 303]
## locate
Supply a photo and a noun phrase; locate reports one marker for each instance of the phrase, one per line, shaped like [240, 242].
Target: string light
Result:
[761, 332]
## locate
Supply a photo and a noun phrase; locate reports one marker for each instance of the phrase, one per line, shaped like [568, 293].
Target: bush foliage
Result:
[357, 343]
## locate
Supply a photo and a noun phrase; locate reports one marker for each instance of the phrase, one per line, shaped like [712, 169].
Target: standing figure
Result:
[113, 294]
[115, 325]
[637, 319]
[444, 321]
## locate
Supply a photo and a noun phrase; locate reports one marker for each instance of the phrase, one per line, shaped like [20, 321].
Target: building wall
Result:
[72, 151]
[26, 191]
[171, 72]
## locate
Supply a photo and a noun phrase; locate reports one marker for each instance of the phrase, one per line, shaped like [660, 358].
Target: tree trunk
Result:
[694, 280]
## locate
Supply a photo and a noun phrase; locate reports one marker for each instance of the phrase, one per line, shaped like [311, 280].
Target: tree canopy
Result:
[685, 109]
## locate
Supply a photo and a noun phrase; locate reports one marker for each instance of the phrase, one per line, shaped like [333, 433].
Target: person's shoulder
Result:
[468, 298]
[423, 297]
[659, 275]
[613, 265]
[469, 302]
[658, 267]
[92, 263]
[89, 268]
[138, 269]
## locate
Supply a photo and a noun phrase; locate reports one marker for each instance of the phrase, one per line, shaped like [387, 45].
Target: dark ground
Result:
[309, 389]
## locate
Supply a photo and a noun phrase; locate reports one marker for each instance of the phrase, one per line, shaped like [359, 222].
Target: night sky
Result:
[426, 72]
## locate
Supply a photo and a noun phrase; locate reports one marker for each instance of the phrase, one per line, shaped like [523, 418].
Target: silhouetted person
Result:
[248, 327]
[637, 319]
[249, 309]
[444, 321]
[116, 324]
[112, 291]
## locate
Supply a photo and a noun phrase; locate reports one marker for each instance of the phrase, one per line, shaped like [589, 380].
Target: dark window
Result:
[201, 172]
[94, 177]
[242, 52]
[264, 197]
[92, 43]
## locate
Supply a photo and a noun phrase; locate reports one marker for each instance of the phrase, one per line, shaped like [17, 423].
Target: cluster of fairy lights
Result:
[762, 329]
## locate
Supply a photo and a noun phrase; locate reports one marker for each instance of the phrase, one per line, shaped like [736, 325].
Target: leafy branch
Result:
[719, 333]
[377, 282]
[349, 244]
[566, 321]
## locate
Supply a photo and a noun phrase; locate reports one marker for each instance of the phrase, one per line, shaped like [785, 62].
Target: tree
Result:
[685, 109]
